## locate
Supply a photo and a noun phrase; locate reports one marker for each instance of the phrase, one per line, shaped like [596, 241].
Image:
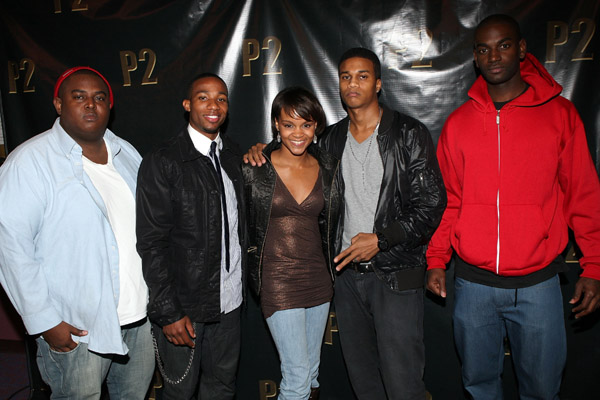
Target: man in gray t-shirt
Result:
[394, 198]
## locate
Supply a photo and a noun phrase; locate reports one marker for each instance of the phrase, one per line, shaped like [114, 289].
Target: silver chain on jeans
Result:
[160, 363]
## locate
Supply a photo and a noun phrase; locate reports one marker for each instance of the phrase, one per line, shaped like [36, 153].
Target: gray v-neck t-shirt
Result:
[362, 170]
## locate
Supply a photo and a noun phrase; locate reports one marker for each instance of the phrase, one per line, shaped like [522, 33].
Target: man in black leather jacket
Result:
[188, 210]
[394, 200]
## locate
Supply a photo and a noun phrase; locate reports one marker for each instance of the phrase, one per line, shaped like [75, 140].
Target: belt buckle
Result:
[362, 267]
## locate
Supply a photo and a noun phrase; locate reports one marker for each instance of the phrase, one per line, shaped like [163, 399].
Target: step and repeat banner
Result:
[149, 50]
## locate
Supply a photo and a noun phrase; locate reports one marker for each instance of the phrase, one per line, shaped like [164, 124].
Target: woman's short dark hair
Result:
[298, 101]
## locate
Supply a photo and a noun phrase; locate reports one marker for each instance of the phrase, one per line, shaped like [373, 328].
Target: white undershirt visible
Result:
[120, 206]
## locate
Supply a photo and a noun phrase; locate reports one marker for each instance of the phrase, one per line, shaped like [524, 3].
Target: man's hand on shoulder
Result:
[587, 290]
[436, 281]
[254, 156]
[180, 332]
[59, 338]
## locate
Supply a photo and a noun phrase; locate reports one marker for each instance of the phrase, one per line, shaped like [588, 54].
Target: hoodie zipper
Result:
[498, 197]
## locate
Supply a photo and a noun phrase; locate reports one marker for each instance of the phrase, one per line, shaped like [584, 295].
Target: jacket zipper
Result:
[498, 197]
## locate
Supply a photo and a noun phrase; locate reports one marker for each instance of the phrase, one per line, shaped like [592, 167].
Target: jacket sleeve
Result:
[579, 182]
[154, 223]
[439, 250]
[427, 199]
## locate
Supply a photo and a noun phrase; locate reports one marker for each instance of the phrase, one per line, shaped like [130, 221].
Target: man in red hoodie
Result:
[518, 173]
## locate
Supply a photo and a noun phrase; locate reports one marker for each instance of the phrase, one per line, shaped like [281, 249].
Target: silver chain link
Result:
[160, 363]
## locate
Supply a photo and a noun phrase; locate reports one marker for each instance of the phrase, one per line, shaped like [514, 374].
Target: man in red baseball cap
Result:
[67, 247]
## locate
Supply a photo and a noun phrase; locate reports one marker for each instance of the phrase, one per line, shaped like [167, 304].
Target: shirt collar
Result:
[67, 144]
[202, 143]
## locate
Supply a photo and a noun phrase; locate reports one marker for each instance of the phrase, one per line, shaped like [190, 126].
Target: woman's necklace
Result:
[364, 161]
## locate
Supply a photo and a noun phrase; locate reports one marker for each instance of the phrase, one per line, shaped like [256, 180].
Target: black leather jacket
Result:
[412, 197]
[259, 183]
[179, 228]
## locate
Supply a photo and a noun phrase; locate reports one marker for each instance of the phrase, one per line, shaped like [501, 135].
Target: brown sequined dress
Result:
[294, 271]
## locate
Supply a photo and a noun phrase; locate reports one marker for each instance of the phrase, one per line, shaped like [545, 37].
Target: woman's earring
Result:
[278, 137]
[315, 139]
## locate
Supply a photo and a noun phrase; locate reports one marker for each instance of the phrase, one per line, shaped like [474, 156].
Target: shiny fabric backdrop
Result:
[149, 50]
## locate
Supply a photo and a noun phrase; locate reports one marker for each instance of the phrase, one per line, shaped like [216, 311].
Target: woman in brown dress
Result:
[294, 204]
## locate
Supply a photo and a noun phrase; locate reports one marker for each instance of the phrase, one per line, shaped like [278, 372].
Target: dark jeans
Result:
[214, 363]
[381, 332]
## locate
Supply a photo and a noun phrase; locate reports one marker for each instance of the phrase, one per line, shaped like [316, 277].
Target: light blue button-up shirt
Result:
[58, 254]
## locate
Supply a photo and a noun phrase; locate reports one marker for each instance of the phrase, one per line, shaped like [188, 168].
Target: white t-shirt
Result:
[120, 206]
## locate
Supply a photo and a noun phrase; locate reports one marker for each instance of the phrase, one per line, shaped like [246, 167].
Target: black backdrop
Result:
[150, 49]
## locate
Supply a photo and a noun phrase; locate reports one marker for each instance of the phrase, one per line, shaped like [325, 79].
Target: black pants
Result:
[381, 332]
[214, 364]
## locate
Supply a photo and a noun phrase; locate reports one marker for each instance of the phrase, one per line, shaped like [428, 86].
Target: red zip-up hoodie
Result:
[516, 178]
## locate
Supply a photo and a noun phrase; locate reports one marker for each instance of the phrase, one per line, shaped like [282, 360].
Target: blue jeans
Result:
[381, 332]
[532, 318]
[78, 374]
[212, 369]
[298, 335]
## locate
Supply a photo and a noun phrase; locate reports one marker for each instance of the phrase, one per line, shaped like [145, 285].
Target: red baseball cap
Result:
[71, 71]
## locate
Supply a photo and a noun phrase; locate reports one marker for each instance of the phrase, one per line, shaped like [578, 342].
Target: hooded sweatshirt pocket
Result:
[523, 235]
[475, 235]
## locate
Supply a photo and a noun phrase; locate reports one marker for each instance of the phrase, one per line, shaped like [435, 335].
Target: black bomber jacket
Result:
[179, 228]
[259, 183]
[412, 197]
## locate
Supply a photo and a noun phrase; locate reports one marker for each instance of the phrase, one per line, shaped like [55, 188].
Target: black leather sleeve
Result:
[154, 221]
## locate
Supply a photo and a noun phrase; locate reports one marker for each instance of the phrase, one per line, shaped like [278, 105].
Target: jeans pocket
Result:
[53, 365]
[74, 349]
[460, 283]
[406, 292]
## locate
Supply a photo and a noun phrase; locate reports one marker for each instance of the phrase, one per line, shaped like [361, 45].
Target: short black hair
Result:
[501, 19]
[297, 100]
[361, 52]
[201, 76]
